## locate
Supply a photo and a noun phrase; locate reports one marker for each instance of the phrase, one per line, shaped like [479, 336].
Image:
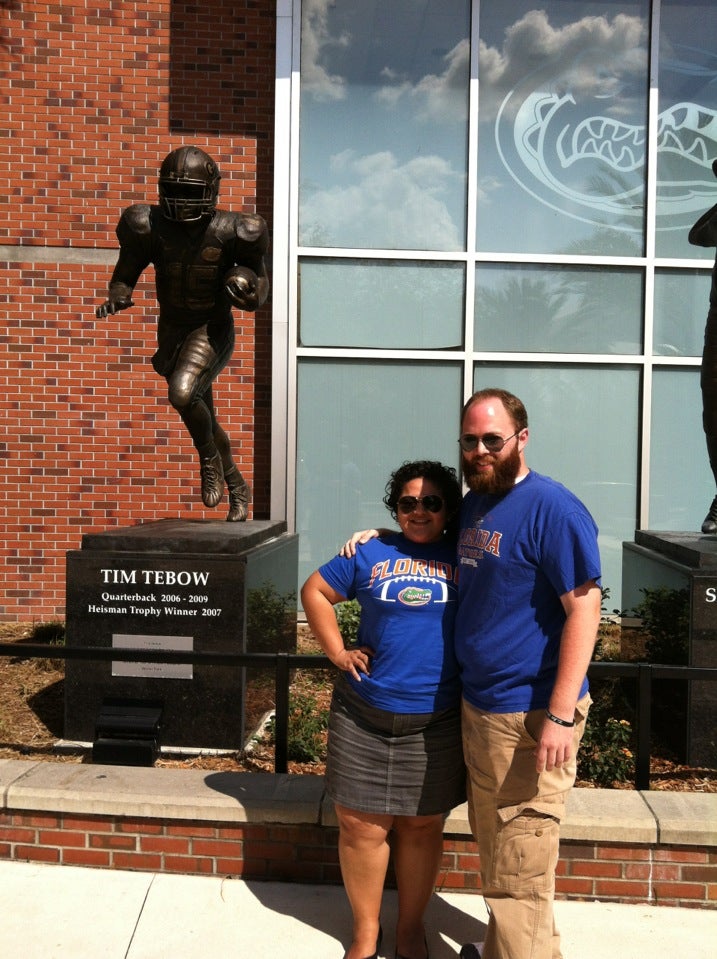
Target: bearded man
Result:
[528, 613]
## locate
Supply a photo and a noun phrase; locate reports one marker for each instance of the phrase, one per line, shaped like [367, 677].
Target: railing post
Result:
[281, 713]
[644, 721]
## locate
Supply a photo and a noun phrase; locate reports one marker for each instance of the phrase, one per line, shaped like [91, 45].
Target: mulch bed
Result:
[32, 716]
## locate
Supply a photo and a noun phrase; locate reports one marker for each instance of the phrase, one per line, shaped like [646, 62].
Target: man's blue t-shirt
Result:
[408, 597]
[517, 555]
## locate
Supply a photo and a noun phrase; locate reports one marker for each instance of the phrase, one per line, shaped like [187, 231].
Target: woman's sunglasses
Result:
[432, 503]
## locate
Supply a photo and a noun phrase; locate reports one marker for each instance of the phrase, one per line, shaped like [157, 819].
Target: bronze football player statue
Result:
[206, 261]
[704, 233]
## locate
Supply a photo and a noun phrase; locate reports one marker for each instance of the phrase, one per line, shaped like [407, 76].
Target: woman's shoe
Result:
[399, 956]
[379, 939]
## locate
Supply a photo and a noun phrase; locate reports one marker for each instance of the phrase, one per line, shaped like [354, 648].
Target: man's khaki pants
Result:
[515, 816]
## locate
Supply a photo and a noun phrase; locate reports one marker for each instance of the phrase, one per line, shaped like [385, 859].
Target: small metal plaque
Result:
[153, 670]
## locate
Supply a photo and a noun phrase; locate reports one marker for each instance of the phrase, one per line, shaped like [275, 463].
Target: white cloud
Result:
[341, 161]
[438, 97]
[488, 186]
[390, 204]
[315, 37]
[593, 57]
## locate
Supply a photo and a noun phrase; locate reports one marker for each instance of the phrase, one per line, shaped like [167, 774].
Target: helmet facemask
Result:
[188, 185]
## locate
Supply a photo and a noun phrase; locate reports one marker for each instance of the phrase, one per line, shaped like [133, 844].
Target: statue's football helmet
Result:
[188, 184]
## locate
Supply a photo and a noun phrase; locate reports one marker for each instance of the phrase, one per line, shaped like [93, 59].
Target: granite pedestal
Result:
[203, 586]
[683, 560]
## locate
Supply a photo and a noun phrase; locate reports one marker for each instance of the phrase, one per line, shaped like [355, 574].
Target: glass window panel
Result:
[681, 304]
[562, 119]
[384, 104]
[358, 421]
[583, 432]
[681, 483]
[381, 305]
[543, 309]
[687, 140]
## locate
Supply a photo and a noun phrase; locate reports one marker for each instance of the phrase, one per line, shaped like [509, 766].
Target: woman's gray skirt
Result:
[401, 764]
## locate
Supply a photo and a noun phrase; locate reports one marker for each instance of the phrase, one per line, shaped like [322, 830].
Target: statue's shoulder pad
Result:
[249, 227]
[137, 218]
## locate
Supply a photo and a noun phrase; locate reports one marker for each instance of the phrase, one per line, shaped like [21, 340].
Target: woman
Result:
[394, 763]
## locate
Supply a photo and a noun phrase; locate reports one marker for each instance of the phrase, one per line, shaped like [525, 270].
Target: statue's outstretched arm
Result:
[133, 232]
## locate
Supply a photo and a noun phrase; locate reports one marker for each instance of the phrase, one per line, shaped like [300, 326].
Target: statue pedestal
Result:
[203, 586]
[683, 561]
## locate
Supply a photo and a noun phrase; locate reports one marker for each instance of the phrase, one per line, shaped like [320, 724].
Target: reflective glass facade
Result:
[495, 193]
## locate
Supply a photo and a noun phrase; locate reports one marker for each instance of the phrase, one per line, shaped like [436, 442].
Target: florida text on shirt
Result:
[474, 543]
[406, 570]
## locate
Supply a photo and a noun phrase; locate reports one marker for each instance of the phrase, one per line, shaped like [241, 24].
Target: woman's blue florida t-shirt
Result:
[408, 597]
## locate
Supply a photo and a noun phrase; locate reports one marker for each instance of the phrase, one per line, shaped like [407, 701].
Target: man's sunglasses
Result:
[432, 503]
[492, 442]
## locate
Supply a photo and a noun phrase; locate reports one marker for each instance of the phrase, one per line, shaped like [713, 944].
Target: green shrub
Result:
[607, 645]
[348, 615]
[665, 616]
[604, 597]
[270, 620]
[605, 756]
[307, 729]
[51, 632]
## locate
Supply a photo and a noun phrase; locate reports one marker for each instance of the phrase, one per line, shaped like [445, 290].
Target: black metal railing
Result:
[645, 674]
[283, 664]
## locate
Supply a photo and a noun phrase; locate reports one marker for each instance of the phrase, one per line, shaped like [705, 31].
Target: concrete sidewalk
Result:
[49, 911]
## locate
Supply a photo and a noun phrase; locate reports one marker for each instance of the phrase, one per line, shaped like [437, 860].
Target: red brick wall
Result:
[93, 95]
[610, 872]
[662, 875]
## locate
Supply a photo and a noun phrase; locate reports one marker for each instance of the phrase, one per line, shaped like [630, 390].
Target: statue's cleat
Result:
[238, 502]
[710, 523]
[212, 476]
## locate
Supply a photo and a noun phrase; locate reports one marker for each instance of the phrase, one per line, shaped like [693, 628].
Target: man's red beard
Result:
[496, 481]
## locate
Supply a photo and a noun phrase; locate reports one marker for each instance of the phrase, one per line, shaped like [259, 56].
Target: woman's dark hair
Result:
[444, 479]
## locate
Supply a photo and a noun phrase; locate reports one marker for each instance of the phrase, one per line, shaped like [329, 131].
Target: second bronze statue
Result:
[206, 261]
[704, 233]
